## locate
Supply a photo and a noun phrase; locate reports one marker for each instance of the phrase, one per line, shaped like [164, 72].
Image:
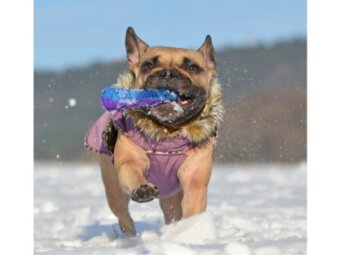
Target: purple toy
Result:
[115, 98]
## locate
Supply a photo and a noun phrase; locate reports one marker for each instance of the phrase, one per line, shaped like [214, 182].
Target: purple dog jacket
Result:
[165, 156]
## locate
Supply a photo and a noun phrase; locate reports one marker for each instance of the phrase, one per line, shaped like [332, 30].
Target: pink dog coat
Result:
[166, 155]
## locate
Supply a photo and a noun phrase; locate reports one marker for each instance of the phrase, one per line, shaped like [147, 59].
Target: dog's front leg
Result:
[131, 163]
[194, 175]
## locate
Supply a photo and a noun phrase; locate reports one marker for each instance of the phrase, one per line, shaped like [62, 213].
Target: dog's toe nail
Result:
[156, 192]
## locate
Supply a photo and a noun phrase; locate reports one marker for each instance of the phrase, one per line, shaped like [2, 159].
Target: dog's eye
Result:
[147, 66]
[194, 68]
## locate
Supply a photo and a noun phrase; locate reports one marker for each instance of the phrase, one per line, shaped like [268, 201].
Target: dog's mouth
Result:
[192, 99]
[185, 100]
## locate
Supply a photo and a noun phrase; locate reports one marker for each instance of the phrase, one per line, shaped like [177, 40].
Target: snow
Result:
[199, 229]
[237, 249]
[252, 210]
[72, 102]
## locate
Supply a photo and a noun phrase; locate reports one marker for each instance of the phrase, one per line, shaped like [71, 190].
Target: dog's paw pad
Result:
[145, 193]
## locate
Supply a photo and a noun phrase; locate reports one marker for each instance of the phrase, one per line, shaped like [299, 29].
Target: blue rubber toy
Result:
[115, 98]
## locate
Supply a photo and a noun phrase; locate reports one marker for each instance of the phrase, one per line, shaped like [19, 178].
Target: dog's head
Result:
[184, 71]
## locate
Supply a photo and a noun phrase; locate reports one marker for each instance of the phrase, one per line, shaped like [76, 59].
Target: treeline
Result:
[265, 99]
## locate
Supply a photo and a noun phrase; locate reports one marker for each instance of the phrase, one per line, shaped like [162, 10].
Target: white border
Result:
[323, 128]
[16, 65]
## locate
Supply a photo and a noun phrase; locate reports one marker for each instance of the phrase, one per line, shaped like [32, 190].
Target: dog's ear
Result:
[135, 47]
[207, 49]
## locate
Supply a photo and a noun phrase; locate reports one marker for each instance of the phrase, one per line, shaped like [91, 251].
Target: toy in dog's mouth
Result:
[192, 99]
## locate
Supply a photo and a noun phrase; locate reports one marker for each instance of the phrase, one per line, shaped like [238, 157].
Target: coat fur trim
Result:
[197, 131]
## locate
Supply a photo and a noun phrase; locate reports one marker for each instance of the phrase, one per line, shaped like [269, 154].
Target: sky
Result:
[80, 32]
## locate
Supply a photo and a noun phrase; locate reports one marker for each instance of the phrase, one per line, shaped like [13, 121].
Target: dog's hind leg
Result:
[118, 201]
[171, 207]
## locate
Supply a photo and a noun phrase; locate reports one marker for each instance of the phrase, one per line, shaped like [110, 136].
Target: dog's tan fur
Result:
[131, 161]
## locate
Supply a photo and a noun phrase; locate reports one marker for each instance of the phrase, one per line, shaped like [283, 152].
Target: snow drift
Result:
[255, 209]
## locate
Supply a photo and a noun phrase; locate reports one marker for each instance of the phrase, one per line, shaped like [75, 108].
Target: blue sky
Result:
[79, 32]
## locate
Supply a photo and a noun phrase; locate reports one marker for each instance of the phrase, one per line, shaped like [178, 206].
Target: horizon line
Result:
[102, 61]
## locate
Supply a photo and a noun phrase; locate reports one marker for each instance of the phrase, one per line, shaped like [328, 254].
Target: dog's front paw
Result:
[145, 193]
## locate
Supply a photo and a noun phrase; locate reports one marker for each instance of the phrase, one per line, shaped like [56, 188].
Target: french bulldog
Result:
[164, 151]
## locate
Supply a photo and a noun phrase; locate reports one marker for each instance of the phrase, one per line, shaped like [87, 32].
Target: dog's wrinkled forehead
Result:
[186, 62]
[167, 57]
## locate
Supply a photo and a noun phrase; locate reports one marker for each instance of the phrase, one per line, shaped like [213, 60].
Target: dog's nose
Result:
[168, 74]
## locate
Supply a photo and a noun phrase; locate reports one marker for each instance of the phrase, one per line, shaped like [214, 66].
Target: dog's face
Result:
[186, 72]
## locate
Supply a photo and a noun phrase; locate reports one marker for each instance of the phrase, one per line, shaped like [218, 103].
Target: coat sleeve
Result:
[101, 135]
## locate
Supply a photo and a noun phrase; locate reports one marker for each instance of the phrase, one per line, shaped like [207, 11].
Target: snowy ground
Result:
[259, 210]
